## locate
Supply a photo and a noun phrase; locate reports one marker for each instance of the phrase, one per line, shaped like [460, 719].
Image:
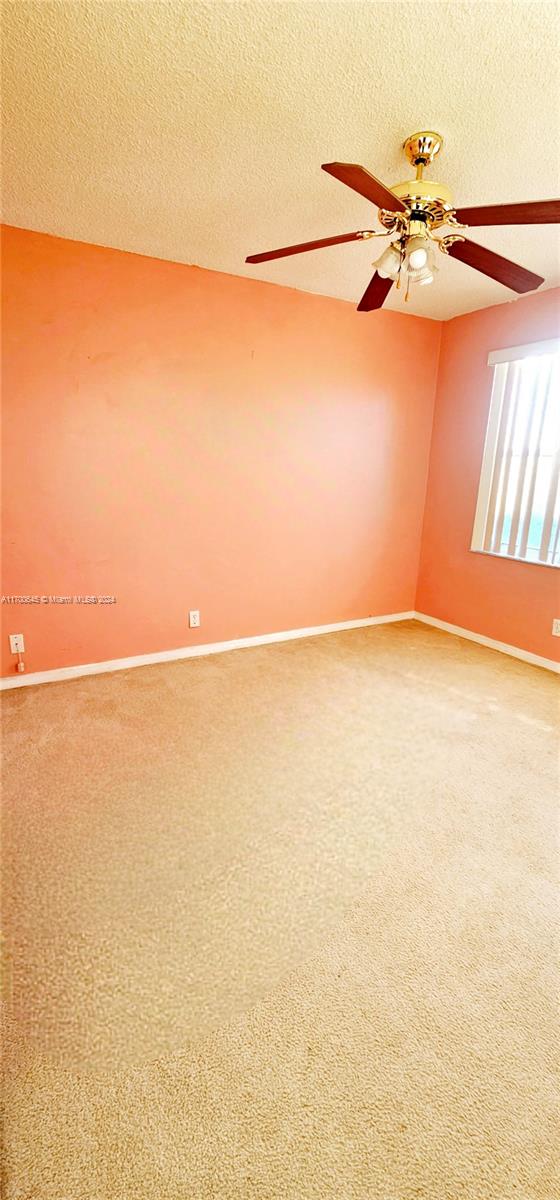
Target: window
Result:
[518, 509]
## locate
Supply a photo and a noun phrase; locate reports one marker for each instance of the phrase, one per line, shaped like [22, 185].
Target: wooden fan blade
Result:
[367, 185]
[375, 294]
[502, 269]
[303, 246]
[534, 212]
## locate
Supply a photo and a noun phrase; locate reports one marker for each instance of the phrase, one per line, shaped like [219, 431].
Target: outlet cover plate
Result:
[17, 645]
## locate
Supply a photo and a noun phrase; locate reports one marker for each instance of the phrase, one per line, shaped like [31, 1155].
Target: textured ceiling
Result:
[195, 131]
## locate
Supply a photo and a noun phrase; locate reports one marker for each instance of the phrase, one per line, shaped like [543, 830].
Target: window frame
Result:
[495, 358]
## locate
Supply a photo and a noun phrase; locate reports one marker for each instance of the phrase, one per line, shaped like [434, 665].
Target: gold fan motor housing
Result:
[425, 195]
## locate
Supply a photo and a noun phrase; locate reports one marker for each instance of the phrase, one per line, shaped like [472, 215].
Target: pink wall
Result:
[510, 601]
[185, 439]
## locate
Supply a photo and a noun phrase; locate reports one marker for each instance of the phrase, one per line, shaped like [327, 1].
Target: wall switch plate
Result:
[194, 618]
[16, 643]
[556, 627]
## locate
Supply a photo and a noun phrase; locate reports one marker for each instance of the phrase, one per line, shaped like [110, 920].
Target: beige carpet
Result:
[281, 925]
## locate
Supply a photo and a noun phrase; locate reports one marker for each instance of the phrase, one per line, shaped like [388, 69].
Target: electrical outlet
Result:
[16, 643]
[556, 627]
[194, 618]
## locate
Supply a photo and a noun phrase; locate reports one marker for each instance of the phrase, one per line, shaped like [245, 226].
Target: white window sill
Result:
[527, 562]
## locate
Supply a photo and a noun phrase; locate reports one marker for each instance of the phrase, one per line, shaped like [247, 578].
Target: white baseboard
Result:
[264, 639]
[515, 651]
[142, 660]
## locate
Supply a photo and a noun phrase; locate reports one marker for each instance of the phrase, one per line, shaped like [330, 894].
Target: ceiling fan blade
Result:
[367, 185]
[375, 294]
[533, 212]
[502, 269]
[303, 246]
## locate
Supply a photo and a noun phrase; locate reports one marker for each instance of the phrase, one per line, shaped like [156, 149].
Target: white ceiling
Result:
[195, 131]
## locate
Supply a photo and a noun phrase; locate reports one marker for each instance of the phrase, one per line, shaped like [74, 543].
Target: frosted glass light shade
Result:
[388, 265]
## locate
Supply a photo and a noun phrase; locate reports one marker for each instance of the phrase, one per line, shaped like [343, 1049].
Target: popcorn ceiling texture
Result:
[283, 927]
[195, 132]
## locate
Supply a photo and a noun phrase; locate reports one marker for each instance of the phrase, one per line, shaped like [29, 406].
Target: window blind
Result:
[518, 512]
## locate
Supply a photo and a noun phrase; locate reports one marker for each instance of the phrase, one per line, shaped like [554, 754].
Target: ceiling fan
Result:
[412, 211]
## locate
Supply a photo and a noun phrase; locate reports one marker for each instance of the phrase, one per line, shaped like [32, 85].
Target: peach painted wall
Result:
[184, 439]
[510, 601]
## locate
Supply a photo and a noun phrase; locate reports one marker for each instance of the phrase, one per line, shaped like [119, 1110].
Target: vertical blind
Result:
[519, 500]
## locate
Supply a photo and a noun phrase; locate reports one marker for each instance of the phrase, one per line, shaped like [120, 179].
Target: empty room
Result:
[280, 599]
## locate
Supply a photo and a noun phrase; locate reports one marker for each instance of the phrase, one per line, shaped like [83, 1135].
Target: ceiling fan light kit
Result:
[410, 212]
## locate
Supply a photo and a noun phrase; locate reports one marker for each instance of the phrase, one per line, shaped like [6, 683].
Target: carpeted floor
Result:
[281, 926]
